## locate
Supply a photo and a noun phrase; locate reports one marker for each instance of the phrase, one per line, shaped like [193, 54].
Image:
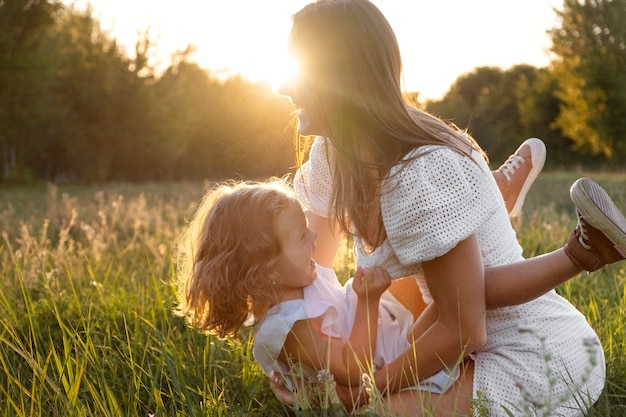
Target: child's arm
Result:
[308, 345]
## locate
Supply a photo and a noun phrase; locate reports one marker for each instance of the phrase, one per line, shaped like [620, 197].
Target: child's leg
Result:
[599, 239]
[517, 174]
[523, 281]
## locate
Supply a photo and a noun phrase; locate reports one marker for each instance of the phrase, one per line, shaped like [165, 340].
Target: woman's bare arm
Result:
[456, 284]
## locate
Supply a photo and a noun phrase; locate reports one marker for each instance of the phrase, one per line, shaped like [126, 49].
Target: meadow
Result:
[86, 323]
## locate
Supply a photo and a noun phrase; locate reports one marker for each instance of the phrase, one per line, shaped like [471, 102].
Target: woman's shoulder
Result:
[438, 162]
[426, 202]
[434, 152]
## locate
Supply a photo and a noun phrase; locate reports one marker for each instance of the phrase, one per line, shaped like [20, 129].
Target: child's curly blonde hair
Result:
[227, 256]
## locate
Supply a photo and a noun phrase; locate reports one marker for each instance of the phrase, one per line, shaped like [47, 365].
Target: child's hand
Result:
[370, 282]
[277, 384]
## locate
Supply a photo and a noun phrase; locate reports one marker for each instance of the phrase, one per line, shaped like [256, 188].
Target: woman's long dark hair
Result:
[350, 54]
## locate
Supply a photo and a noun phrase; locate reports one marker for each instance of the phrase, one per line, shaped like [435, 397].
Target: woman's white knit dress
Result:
[542, 354]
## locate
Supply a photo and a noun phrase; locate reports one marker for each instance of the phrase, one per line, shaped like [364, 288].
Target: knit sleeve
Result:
[434, 201]
[313, 181]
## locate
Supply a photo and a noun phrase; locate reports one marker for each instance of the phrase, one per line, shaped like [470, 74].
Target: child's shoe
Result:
[518, 173]
[599, 238]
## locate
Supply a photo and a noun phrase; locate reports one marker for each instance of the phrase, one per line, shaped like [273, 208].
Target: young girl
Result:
[246, 258]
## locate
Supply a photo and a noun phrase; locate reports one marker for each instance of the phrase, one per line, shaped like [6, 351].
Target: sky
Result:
[439, 39]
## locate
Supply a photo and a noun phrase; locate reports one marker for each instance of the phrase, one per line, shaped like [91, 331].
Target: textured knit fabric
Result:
[325, 298]
[429, 205]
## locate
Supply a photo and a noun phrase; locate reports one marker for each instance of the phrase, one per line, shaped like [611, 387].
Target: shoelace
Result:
[583, 233]
[511, 165]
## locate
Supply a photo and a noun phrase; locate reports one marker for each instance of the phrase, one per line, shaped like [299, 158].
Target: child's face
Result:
[295, 264]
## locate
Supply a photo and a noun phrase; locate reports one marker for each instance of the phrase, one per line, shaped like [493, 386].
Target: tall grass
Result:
[85, 305]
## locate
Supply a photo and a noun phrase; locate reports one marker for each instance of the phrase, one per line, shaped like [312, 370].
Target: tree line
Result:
[576, 105]
[76, 107]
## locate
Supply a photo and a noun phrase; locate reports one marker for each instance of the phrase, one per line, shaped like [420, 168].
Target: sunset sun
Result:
[239, 38]
[253, 44]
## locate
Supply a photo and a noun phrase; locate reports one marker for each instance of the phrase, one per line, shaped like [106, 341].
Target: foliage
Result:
[26, 70]
[499, 107]
[576, 106]
[76, 108]
[538, 107]
[85, 305]
[484, 102]
[590, 46]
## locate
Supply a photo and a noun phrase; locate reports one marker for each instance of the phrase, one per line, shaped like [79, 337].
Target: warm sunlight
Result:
[231, 37]
[249, 38]
[439, 40]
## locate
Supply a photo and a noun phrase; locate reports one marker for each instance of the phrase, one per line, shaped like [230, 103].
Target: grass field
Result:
[85, 305]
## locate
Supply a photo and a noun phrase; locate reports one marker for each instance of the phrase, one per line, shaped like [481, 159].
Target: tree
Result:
[538, 108]
[178, 118]
[590, 66]
[98, 90]
[236, 129]
[485, 102]
[26, 71]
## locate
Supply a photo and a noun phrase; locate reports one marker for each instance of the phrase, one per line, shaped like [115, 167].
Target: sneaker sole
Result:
[538, 158]
[597, 208]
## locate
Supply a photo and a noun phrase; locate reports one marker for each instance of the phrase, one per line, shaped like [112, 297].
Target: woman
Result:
[421, 201]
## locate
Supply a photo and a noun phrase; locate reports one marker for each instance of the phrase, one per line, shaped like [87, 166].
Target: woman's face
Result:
[304, 90]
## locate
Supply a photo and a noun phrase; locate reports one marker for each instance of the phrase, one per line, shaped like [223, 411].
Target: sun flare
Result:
[274, 70]
[251, 43]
